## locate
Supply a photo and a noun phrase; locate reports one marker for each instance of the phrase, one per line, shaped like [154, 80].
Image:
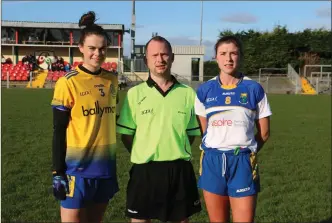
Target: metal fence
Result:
[272, 84]
[8, 81]
[321, 85]
[289, 83]
[136, 65]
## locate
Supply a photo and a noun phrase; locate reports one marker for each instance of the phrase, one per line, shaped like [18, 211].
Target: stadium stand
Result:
[55, 75]
[307, 88]
[41, 52]
[18, 72]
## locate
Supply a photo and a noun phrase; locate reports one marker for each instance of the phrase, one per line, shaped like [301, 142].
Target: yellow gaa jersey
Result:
[91, 134]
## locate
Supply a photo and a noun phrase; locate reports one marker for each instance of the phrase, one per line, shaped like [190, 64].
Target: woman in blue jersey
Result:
[229, 108]
[84, 138]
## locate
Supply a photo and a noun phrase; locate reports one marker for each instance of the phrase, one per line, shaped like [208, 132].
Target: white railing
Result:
[260, 71]
[320, 66]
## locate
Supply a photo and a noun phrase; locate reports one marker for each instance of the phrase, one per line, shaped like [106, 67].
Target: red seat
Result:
[114, 65]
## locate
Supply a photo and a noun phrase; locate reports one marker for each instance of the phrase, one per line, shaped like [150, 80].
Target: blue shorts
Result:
[85, 191]
[227, 174]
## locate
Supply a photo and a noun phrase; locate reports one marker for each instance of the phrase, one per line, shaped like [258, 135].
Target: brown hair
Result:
[88, 20]
[229, 39]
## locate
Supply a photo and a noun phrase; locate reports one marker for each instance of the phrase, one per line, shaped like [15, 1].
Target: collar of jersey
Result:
[151, 83]
[229, 87]
[80, 66]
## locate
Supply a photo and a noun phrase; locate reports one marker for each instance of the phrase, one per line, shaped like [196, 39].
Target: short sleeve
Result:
[199, 106]
[126, 123]
[263, 107]
[62, 97]
[193, 126]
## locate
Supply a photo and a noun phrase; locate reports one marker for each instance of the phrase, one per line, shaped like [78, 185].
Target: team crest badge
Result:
[112, 90]
[244, 98]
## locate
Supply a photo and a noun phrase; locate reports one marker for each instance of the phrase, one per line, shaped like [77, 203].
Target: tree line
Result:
[277, 48]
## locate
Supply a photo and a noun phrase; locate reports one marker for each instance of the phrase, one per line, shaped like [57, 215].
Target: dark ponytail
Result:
[88, 21]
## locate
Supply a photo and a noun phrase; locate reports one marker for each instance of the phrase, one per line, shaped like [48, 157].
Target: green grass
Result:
[295, 164]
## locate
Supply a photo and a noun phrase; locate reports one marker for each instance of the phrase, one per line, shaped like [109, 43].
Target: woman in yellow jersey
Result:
[84, 114]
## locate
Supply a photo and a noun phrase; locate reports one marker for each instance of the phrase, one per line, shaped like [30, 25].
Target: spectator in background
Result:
[33, 62]
[24, 59]
[3, 60]
[67, 66]
[61, 67]
[48, 61]
[9, 61]
[29, 61]
[54, 59]
[61, 61]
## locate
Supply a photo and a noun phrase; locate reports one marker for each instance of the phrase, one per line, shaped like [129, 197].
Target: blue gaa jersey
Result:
[231, 113]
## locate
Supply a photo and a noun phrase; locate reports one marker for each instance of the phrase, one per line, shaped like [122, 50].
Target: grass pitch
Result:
[295, 164]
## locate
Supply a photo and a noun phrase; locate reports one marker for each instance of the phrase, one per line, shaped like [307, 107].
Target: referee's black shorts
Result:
[165, 190]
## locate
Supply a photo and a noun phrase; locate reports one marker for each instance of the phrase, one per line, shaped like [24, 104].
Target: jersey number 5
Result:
[102, 93]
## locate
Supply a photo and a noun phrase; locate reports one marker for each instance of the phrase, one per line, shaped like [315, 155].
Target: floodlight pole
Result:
[200, 39]
[132, 35]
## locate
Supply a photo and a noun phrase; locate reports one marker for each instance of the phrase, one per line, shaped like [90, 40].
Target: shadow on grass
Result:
[329, 220]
